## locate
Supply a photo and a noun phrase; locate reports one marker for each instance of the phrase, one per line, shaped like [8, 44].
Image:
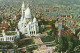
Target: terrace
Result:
[11, 33]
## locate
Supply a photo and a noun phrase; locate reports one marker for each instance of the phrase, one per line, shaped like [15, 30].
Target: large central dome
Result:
[27, 13]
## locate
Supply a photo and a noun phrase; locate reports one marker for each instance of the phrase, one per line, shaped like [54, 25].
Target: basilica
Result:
[27, 25]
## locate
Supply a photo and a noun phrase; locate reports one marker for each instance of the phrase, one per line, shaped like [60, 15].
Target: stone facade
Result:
[27, 25]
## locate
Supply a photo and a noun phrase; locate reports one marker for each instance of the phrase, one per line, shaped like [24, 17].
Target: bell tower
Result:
[23, 9]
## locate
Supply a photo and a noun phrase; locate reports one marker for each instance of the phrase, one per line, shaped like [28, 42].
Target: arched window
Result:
[34, 32]
[30, 32]
[1, 39]
[12, 38]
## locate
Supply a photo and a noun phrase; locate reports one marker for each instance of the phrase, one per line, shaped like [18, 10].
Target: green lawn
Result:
[47, 39]
[5, 45]
[23, 43]
[11, 33]
[1, 35]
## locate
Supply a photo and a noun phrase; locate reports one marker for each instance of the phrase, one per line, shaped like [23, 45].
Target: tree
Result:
[17, 41]
[41, 29]
[29, 50]
[67, 44]
[16, 50]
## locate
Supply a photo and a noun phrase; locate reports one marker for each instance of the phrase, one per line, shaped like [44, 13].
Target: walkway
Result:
[39, 41]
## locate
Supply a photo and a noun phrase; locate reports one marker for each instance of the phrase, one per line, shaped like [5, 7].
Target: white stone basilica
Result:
[27, 25]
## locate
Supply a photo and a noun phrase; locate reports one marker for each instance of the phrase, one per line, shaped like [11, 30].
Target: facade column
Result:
[31, 31]
[4, 38]
[9, 38]
[18, 34]
[34, 30]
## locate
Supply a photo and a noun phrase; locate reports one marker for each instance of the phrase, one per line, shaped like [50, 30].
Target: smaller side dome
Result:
[34, 20]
